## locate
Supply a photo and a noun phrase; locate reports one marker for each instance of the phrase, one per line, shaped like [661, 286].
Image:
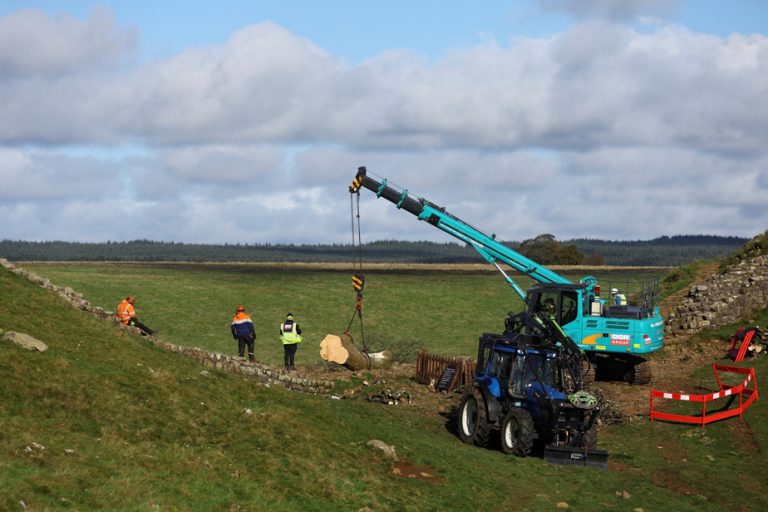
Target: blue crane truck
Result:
[615, 338]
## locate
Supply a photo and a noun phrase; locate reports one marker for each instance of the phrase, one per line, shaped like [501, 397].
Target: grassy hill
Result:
[106, 421]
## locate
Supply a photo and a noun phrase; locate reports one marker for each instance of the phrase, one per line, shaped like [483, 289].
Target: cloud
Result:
[595, 85]
[598, 131]
[33, 43]
[611, 9]
[48, 176]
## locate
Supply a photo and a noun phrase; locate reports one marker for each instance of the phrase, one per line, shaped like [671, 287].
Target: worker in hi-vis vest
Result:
[618, 298]
[126, 313]
[290, 335]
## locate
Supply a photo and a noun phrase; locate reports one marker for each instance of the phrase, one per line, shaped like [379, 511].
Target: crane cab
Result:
[614, 337]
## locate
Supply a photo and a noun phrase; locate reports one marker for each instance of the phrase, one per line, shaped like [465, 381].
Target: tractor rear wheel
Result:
[517, 433]
[473, 418]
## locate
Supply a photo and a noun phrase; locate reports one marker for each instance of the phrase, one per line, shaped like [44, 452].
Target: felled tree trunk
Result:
[336, 349]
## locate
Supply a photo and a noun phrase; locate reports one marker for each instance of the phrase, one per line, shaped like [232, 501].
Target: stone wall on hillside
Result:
[264, 374]
[723, 299]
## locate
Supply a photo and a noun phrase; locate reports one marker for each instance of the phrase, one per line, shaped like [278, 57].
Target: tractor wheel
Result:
[517, 433]
[589, 438]
[473, 418]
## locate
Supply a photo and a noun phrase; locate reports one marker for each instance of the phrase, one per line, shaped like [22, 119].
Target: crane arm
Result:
[486, 245]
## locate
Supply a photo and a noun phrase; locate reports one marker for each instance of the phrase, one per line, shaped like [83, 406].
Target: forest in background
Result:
[664, 251]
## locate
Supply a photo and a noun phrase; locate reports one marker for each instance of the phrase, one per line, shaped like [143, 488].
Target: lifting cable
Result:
[358, 279]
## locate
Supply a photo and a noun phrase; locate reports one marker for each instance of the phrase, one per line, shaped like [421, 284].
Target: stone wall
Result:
[264, 374]
[727, 298]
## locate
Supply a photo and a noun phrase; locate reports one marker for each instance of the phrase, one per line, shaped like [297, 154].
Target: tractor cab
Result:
[514, 366]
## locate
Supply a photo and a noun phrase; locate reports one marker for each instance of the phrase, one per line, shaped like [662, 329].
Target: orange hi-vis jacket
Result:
[242, 325]
[125, 311]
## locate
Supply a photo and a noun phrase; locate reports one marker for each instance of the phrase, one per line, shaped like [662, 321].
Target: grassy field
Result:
[405, 307]
[106, 421]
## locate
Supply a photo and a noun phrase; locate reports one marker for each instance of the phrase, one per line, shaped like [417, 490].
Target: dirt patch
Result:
[620, 467]
[674, 483]
[408, 470]
[744, 435]
[672, 368]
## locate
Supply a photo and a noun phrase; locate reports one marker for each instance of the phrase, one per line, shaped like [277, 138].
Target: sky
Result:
[244, 122]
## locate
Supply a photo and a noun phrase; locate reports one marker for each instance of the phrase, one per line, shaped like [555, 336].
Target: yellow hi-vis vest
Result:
[620, 299]
[288, 334]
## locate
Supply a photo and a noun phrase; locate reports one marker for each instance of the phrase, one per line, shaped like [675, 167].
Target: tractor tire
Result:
[589, 439]
[473, 418]
[517, 433]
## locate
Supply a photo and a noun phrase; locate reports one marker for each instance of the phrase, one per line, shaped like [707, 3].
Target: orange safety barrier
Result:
[746, 396]
[744, 335]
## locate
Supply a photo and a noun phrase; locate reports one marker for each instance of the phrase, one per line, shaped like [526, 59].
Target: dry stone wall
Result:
[264, 374]
[723, 299]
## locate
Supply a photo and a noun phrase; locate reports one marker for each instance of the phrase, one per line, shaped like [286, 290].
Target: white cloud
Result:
[257, 139]
[33, 43]
[612, 9]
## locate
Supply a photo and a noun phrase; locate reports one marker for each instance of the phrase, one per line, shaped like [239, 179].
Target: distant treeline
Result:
[670, 251]
[664, 251]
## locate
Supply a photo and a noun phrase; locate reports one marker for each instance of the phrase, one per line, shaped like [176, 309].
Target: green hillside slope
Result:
[106, 421]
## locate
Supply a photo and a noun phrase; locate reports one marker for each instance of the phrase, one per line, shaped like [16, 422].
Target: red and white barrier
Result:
[745, 393]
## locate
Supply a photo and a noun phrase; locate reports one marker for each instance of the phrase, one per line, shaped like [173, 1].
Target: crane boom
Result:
[486, 245]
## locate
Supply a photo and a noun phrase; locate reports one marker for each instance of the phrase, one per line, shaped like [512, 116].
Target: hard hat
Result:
[240, 308]
[289, 315]
[614, 290]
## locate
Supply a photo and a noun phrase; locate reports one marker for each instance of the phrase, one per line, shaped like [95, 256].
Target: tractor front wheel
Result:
[473, 418]
[517, 433]
[589, 438]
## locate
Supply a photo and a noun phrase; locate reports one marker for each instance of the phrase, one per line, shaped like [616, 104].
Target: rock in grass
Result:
[386, 449]
[25, 341]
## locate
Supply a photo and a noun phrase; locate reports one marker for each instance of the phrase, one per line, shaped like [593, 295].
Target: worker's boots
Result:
[251, 358]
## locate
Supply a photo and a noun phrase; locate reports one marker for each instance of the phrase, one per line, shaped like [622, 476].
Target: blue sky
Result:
[244, 121]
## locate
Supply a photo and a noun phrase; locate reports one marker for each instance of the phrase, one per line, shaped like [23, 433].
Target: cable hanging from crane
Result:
[358, 278]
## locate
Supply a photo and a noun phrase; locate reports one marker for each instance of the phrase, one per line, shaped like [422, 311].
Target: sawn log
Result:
[340, 350]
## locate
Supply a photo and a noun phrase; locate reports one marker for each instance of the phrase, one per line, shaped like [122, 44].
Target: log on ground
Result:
[336, 349]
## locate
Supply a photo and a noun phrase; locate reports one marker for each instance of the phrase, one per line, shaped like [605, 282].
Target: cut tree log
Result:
[336, 349]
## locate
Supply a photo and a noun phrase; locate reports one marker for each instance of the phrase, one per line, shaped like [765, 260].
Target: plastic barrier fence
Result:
[744, 335]
[745, 394]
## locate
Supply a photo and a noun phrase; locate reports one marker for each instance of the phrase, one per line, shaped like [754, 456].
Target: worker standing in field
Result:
[126, 313]
[244, 332]
[619, 299]
[290, 335]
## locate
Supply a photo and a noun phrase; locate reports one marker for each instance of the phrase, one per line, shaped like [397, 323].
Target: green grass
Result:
[127, 426]
[680, 278]
[193, 305]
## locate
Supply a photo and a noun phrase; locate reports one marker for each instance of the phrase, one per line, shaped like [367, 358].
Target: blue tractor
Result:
[528, 388]
[615, 336]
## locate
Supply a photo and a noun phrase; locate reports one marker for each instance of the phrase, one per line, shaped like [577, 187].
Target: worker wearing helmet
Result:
[290, 335]
[126, 313]
[618, 298]
[244, 332]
